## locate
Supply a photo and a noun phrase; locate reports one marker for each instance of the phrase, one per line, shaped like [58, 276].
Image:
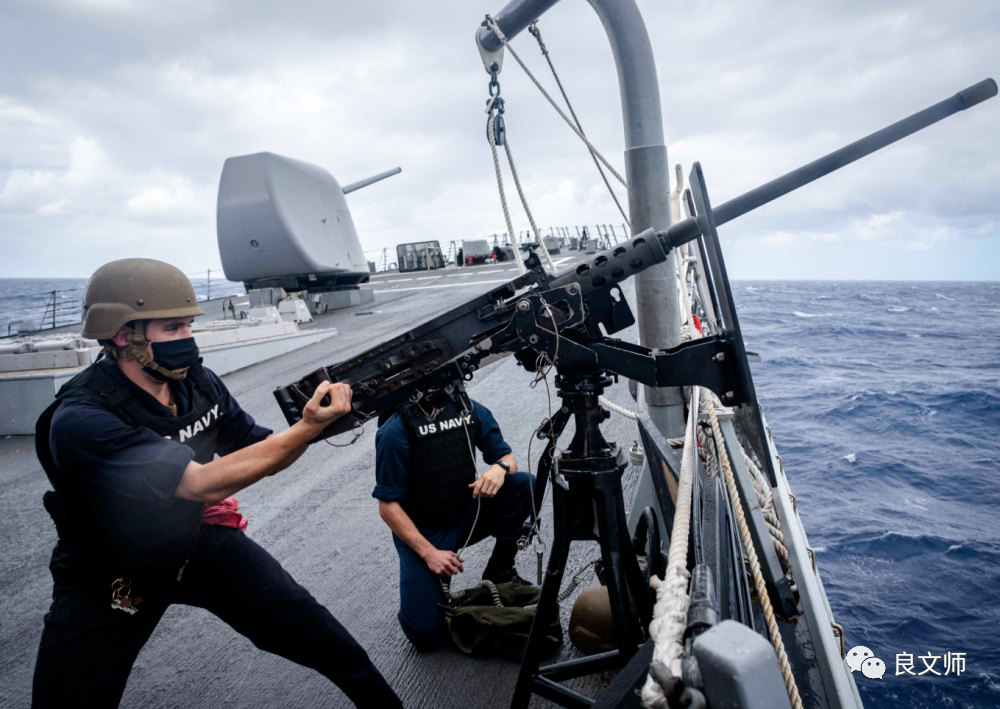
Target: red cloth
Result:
[225, 513]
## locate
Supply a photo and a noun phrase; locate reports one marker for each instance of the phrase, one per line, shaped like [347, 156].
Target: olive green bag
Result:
[495, 619]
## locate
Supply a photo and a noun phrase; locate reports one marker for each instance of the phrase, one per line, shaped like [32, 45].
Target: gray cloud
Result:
[116, 117]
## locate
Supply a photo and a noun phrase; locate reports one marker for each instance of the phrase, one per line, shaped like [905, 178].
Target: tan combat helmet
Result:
[591, 623]
[136, 289]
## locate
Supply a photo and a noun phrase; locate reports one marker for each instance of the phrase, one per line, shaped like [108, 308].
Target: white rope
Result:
[612, 406]
[524, 203]
[670, 611]
[687, 267]
[710, 401]
[491, 24]
[521, 269]
[766, 500]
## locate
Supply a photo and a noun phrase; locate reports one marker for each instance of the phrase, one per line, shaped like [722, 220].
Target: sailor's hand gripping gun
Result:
[566, 318]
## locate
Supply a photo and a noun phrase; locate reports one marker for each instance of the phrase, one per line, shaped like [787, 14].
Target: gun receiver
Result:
[561, 317]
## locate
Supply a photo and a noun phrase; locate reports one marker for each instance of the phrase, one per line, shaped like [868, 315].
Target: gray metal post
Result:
[514, 17]
[646, 171]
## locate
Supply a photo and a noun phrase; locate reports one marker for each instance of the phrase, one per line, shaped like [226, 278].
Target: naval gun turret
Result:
[285, 223]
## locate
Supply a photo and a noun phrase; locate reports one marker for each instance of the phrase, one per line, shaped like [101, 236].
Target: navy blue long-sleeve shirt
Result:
[392, 452]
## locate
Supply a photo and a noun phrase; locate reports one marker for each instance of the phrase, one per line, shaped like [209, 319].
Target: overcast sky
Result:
[117, 115]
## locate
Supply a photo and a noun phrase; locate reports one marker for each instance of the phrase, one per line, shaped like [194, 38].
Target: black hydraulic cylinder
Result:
[703, 610]
[687, 230]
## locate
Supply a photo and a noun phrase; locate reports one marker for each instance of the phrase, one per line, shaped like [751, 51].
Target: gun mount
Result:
[564, 321]
[566, 318]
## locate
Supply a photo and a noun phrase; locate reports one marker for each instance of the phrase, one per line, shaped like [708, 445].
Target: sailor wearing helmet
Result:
[142, 504]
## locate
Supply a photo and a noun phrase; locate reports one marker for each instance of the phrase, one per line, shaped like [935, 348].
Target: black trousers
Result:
[88, 648]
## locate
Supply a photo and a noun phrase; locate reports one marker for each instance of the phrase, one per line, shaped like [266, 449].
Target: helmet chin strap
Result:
[136, 349]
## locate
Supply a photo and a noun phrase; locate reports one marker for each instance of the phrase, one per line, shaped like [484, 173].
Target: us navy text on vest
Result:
[200, 426]
[445, 425]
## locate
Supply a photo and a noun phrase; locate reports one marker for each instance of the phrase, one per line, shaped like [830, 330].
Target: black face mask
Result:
[174, 354]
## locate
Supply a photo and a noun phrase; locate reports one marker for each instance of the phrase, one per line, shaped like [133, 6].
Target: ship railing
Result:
[44, 310]
[40, 311]
[594, 236]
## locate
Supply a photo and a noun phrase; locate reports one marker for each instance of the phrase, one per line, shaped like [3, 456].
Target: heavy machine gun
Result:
[568, 317]
[565, 321]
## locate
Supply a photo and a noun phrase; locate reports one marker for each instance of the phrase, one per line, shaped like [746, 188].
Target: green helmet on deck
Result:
[135, 289]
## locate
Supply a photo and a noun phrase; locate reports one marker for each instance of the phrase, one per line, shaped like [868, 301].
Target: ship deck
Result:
[319, 520]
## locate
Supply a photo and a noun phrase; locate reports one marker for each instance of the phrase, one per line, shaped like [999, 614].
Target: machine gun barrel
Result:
[584, 304]
[687, 230]
[648, 248]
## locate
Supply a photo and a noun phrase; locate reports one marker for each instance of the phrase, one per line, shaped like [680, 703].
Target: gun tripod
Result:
[587, 504]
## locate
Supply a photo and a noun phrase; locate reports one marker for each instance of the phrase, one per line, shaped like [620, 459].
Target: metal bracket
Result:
[778, 585]
[490, 58]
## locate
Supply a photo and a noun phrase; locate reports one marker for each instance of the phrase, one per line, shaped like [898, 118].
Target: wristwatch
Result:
[505, 465]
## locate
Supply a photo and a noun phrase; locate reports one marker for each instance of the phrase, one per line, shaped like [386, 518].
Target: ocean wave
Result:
[962, 552]
[863, 333]
[894, 545]
[897, 413]
[800, 314]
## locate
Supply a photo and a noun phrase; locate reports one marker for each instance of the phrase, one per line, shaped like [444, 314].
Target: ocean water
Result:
[884, 400]
[29, 304]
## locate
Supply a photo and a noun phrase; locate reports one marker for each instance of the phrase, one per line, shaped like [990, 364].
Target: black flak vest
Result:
[105, 528]
[441, 465]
